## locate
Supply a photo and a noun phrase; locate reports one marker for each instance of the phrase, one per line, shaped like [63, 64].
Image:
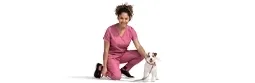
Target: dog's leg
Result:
[145, 73]
[153, 75]
[156, 73]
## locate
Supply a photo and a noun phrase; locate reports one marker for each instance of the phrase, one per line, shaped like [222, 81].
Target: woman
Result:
[116, 41]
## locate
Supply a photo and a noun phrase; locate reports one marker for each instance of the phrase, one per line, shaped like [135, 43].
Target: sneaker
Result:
[97, 73]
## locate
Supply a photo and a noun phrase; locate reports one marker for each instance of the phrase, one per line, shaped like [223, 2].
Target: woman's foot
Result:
[97, 73]
[125, 72]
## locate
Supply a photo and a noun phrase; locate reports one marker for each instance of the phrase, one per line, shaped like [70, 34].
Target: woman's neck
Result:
[121, 27]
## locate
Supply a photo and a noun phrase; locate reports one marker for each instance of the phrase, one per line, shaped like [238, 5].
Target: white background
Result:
[60, 41]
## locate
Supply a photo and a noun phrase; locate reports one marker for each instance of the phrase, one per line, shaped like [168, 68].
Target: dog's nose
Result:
[150, 60]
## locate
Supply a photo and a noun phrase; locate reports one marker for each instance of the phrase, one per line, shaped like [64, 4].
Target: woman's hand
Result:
[104, 71]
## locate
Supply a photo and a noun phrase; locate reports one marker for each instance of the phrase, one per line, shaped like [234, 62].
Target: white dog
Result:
[150, 67]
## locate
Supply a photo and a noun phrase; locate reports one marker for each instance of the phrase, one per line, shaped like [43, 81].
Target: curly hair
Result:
[124, 8]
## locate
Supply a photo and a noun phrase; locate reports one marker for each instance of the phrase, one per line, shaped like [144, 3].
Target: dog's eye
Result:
[148, 55]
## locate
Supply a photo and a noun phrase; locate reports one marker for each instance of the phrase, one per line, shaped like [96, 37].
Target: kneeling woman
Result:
[116, 41]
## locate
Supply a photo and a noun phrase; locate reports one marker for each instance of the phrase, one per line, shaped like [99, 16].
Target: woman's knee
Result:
[138, 55]
[135, 52]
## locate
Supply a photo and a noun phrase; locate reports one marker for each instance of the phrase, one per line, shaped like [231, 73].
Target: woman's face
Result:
[123, 19]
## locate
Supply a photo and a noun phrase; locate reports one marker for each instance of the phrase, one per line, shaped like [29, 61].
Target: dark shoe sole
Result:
[97, 73]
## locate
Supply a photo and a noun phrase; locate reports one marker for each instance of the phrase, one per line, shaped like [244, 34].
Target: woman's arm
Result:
[139, 48]
[106, 51]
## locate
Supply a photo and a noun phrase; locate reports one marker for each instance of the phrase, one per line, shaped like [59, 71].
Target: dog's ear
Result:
[148, 55]
[155, 54]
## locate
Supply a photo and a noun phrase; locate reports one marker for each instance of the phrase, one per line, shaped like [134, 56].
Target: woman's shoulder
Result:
[130, 28]
[109, 28]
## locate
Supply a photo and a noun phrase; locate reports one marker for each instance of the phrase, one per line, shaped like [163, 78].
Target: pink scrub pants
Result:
[131, 57]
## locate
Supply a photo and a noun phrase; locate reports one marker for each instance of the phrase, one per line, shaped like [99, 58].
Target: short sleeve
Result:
[107, 35]
[133, 33]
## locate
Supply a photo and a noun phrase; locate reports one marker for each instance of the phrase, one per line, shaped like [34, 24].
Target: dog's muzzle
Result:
[151, 60]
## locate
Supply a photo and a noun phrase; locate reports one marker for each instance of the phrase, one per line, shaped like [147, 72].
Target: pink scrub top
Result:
[119, 44]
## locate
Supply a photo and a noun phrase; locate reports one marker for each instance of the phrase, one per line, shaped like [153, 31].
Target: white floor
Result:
[47, 69]
[77, 69]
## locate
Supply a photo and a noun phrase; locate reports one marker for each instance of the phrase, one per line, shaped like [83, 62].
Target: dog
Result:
[150, 68]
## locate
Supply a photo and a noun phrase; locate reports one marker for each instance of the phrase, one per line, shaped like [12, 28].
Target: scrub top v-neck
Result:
[118, 43]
